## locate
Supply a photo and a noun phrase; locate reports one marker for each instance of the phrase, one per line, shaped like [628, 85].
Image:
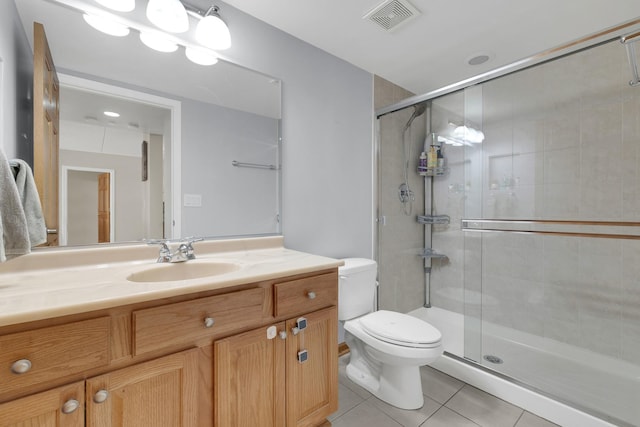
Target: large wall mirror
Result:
[195, 150]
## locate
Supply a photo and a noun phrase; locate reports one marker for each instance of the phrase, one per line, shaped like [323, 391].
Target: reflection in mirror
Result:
[196, 120]
[93, 144]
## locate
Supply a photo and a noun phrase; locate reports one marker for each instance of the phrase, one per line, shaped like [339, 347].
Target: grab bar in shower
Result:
[253, 165]
[593, 229]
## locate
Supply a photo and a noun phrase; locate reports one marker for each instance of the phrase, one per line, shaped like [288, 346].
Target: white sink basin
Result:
[171, 272]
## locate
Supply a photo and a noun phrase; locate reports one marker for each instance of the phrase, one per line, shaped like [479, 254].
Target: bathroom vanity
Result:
[246, 337]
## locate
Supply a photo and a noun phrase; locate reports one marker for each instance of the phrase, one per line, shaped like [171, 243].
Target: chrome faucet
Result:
[183, 253]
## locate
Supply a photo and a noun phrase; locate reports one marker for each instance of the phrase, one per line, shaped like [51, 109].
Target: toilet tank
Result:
[356, 287]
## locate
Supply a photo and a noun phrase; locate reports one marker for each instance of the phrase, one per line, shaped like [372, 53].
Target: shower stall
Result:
[524, 248]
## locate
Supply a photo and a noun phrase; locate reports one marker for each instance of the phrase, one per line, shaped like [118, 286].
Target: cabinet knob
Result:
[100, 396]
[21, 366]
[283, 335]
[70, 406]
[311, 295]
[209, 322]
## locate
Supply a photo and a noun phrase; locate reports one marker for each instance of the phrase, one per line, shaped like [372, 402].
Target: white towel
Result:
[14, 235]
[30, 203]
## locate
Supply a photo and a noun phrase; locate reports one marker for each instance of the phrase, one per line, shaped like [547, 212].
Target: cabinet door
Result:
[161, 392]
[249, 380]
[60, 407]
[312, 385]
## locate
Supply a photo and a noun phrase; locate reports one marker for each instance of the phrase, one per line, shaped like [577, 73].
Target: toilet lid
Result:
[401, 329]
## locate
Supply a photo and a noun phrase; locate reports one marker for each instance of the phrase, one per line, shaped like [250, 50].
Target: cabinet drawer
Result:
[185, 323]
[305, 295]
[49, 353]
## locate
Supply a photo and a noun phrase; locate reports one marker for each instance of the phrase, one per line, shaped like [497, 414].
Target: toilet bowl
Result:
[387, 348]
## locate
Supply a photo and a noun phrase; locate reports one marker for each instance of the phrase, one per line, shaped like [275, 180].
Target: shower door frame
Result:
[594, 40]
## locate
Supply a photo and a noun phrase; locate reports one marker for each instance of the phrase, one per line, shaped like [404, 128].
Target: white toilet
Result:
[387, 348]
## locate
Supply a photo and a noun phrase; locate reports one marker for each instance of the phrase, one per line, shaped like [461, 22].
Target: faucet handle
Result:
[187, 246]
[165, 253]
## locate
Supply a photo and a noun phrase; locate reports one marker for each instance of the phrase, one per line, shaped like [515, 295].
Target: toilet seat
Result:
[400, 329]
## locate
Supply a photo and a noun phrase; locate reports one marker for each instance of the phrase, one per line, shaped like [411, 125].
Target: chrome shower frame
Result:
[627, 33]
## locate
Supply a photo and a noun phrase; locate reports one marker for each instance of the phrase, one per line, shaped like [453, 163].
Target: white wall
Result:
[82, 198]
[128, 190]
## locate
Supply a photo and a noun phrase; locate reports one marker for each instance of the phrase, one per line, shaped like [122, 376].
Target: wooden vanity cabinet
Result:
[188, 362]
[278, 375]
[161, 392]
[59, 407]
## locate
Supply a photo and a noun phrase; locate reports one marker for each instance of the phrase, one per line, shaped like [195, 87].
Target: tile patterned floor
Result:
[448, 402]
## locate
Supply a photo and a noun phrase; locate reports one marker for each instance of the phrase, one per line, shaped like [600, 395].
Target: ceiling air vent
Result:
[391, 13]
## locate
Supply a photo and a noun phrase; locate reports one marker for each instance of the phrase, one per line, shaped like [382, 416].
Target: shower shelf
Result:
[433, 171]
[430, 253]
[433, 219]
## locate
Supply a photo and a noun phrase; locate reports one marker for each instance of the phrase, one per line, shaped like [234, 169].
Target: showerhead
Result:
[418, 110]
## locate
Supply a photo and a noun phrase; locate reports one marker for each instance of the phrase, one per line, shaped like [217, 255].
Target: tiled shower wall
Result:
[562, 142]
[400, 269]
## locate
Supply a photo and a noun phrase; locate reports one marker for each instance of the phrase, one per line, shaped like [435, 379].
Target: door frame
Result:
[64, 202]
[173, 150]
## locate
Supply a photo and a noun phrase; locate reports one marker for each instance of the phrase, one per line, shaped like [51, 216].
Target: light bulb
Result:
[157, 41]
[169, 15]
[213, 33]
[119, 5]
[106, 25]
[201, 56]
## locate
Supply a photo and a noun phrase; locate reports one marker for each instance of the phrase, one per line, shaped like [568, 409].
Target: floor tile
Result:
[529, 420]
[347, 400]
[404, 417]
[437, 385]
[483, 408]
[445, 417]
[365, 415]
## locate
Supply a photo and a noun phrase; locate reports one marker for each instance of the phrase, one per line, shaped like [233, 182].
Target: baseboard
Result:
[343, 349]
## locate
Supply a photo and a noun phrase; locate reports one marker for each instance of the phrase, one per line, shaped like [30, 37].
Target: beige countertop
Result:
[52, 283]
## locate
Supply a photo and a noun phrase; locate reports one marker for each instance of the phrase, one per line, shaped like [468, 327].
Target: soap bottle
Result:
[422, 164]
[440, 157]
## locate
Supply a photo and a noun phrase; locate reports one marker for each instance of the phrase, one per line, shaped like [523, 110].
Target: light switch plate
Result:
[193, 200]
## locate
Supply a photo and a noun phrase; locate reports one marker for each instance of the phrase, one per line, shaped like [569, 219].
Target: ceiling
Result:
[432, 50]
[423, 54]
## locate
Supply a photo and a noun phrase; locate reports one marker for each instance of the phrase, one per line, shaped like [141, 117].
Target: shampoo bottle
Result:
[422, 164]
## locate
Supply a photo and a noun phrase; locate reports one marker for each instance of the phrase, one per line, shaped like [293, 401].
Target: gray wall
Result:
[327, 151]
[234, 200]
[327, 132]
[16, 83]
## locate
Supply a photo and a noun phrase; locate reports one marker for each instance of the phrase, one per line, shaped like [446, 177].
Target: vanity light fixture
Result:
[212, 31]
[106, 25]
[111, 114]
[201, 56]
[157, 41]
[169, 15]
[119, 5]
